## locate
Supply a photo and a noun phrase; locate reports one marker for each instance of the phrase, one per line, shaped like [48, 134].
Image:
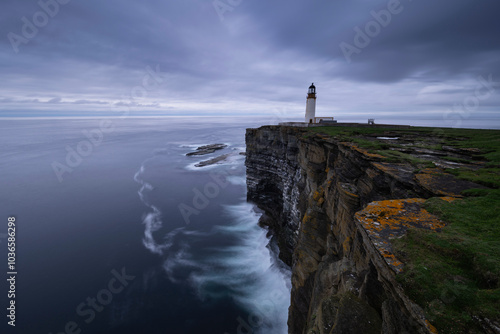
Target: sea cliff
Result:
[334, 209]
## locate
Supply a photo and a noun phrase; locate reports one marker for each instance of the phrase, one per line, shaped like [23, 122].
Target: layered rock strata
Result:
[313, 190]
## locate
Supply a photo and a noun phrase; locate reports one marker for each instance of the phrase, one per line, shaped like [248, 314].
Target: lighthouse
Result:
[311, 104]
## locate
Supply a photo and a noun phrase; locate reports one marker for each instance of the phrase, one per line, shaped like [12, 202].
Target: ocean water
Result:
[118, 232]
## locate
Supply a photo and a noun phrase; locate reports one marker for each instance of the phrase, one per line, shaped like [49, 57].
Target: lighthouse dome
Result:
[312, 89]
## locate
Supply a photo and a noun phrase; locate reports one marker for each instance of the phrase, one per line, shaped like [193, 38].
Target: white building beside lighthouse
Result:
[311, 104]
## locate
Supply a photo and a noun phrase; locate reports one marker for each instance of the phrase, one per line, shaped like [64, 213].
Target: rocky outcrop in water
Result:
[207, 149]
[313, 190]
[212, 161]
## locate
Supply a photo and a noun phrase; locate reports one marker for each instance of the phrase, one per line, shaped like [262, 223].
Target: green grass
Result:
[453, 159]
[347, 131]
[354, 134]
[399, 157]
[489, 177]
[487, 141]
[454, 274]
[371, 145]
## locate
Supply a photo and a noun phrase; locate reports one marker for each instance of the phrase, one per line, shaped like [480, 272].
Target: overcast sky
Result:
[411, 60]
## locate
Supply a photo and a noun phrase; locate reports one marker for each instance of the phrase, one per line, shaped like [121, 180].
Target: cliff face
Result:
[343, 271]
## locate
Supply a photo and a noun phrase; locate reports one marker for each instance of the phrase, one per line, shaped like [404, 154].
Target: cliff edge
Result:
[335, 208]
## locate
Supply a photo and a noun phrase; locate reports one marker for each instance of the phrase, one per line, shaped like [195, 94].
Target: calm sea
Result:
[118, 232]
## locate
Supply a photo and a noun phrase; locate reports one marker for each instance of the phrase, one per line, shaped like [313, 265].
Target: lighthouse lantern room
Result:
[311, 104]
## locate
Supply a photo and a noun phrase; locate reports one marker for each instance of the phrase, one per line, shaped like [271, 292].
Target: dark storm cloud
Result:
[435, 42]
[244, 55]
[425, 38]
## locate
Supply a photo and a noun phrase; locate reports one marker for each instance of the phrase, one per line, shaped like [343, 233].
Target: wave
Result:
[248, 271]
[237, 180]
[233, 259]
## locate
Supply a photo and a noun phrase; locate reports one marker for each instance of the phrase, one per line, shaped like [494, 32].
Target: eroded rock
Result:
[212, 161]
[207, 149]
[310, 188]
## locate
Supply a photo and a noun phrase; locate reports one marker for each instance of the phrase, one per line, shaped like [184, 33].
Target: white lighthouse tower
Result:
[311, 104]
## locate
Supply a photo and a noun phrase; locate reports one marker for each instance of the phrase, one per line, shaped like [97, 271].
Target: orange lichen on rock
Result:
[363, 151]
[348, 189]
[448, 198]
[389, 219]
[322, 136]
[431, 328]
[392, 260]
[391, 169]
[346, 244]
[383, 167]
[318, 194]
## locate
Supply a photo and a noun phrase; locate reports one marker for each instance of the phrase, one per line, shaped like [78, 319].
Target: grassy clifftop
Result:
[452, 273]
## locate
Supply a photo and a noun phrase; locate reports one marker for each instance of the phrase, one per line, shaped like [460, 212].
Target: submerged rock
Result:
[207, 149]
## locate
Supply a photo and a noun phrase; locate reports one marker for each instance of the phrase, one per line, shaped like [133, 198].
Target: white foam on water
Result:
[268, 296]
[195, 146]
[191, 167]
[232, 160]
[152, 220]
[246, 270]
[153, 223]
[190, 145]
[237, 180]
